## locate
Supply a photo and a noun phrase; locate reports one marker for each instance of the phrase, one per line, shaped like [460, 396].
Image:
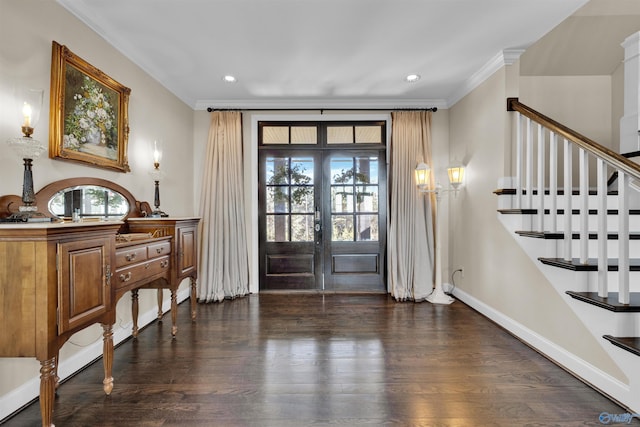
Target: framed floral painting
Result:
[88, 113]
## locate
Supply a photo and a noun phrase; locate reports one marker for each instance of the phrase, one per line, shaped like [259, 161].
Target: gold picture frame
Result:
[89, 119]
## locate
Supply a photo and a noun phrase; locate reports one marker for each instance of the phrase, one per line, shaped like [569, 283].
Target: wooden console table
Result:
[57, 278]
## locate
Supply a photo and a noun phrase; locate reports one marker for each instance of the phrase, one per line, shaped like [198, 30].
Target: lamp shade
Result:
[456, 175]
[422, 175]
[30, 105]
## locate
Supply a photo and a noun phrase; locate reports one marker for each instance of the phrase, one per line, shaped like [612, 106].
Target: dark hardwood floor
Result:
[306, 359]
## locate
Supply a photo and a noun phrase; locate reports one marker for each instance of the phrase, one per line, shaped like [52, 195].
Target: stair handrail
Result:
[627, 172]
[614, 159]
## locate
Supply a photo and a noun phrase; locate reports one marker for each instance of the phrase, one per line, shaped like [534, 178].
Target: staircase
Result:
[575, 225]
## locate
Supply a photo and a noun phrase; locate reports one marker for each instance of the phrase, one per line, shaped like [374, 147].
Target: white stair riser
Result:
[530, 222]
[510, 202]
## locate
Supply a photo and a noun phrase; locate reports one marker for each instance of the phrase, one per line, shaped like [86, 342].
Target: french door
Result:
[322, 218]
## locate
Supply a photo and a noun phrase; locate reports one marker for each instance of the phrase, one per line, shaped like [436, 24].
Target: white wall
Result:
[27, 29]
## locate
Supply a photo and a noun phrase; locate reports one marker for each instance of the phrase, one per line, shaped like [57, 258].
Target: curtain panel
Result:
[411, 234]
[223, 268]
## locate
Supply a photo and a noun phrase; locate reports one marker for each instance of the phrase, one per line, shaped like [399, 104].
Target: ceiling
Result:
[326, 53]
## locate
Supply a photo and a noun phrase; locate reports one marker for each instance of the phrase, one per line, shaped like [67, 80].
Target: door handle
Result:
[318, 227]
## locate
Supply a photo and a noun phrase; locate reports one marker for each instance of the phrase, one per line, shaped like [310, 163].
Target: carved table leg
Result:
[194, 303]
[55, 370]
[47, 390]
[134, 312]
[174, 313]
[160, 296]
[107, 358]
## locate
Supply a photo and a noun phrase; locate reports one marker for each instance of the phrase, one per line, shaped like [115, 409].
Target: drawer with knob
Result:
[129, 275]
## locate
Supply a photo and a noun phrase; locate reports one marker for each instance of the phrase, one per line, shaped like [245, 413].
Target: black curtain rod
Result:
[322, 110]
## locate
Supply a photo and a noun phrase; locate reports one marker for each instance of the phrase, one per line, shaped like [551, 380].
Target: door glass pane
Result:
[304, 135]
[302, 200]
[341, 198]
[277, 228]
[339, 134]
[367, 227]
[302, 228]
[277, 199]
[367, 170]
[302, 170]
[342, 228]
[342, 170]
[367, 198]
[277, 170]
[275, 134]
[369, 134]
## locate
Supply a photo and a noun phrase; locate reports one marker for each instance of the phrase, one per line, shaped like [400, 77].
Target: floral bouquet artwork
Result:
[89, 113]
[90, 125]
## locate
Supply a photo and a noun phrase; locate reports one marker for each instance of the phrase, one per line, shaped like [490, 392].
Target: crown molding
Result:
[319, 104]
[506, 57]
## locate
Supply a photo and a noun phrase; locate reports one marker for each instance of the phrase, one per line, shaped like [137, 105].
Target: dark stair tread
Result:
[631, 344]
[533, 211]
[559, 235]
[591, 265]
[610, 302]
[560, 192]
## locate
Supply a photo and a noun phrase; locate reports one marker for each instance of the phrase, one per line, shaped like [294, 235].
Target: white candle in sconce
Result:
[26, 112]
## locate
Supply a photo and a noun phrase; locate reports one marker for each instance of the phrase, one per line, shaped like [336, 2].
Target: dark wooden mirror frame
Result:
[10, 204]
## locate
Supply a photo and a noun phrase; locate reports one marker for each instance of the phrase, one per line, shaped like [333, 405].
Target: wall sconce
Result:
[29, 149]
[156, 174]
[456, 176]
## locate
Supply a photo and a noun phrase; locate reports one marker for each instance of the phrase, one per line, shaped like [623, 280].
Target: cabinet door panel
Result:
[83, 282]
[187, 251]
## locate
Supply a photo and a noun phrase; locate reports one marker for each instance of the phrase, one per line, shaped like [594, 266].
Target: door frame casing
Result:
[250, 148]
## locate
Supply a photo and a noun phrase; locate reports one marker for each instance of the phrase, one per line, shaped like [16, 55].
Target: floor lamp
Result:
[456, 175]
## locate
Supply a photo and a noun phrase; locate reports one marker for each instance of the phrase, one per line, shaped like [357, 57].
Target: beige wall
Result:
[27, 29]
[583, 103]
[496, 271]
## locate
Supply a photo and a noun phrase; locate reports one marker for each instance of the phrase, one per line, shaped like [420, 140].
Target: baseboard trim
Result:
[599, 380]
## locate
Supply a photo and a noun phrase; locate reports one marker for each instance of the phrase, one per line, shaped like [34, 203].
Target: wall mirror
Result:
[89, 201]
[90, 198]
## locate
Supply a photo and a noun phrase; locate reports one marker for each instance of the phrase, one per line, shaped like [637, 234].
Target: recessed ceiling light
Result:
[229, 79]
[412, 78]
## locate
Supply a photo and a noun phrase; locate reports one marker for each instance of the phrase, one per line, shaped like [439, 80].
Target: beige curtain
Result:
[223, 269]
[410, 246]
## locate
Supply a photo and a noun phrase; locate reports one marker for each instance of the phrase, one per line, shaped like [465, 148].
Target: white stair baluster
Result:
[553, 182]
[623, 237]
[568, 194]
[518, 183]
[541, 166]
[603, 286]
[584, 206]
[529, 161]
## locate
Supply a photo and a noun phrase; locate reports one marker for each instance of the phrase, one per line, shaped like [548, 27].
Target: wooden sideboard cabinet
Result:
[55, 279]
[184, 254]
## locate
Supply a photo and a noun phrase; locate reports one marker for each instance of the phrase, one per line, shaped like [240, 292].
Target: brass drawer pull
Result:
[125, 277]
[164, 263]
[159, 250]
[130, 257]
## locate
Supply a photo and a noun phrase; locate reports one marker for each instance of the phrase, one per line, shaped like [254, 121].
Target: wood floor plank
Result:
[326, 360]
